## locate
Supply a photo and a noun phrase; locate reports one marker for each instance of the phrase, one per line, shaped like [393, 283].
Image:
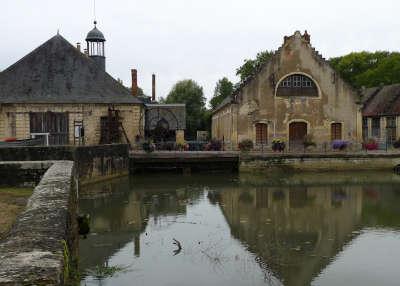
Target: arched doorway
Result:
[297, 131]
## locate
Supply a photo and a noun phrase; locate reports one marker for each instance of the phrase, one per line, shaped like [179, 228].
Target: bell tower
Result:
[95, 46]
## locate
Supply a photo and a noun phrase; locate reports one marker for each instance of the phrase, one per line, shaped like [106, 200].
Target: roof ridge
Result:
[34, 51]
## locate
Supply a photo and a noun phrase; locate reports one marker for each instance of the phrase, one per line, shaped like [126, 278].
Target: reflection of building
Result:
[121, 216]
[295, 93]
[294, 231]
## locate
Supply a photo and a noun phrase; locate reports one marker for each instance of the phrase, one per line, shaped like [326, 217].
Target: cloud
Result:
[203, 40]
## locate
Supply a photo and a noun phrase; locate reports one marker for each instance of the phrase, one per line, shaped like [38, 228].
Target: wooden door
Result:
[297, 131]
[53, 123]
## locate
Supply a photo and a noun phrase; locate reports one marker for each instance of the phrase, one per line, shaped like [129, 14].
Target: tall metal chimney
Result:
[153, 88]
[134, 89]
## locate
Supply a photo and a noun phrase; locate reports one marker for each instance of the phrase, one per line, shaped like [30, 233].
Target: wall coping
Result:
[33, 253]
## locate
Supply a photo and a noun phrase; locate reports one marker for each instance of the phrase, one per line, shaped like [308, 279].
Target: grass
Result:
[12, 202]
[101, 272]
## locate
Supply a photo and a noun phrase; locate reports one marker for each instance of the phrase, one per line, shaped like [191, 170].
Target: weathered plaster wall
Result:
[93, 163]
[43, 243]
[90, 114]
[257, 100]
[224, 125]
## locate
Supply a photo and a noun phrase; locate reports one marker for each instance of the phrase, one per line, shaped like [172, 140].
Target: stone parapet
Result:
[43, 242]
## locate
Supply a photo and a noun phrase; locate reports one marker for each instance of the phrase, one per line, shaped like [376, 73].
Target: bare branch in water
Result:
[179, 245]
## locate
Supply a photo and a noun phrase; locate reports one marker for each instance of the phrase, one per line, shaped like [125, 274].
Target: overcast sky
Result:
[199, 39]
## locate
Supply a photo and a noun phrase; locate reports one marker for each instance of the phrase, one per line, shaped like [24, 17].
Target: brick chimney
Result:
[78, 46]
[153, 88]
[134, 89]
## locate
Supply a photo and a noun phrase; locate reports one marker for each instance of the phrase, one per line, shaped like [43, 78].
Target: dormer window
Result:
[297, 85]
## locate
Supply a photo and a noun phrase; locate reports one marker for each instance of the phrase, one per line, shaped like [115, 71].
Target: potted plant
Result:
[370, 144]
[214, 145]
[396, 144]
[278, 145]
[246, 145]
[148, 146]
[339, 145]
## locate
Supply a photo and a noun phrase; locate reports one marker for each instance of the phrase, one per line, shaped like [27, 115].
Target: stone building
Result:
[294, 94]
[163, 122]
[381, 113]
[65, 96]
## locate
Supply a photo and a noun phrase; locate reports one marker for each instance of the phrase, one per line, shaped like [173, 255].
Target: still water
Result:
[315, 229]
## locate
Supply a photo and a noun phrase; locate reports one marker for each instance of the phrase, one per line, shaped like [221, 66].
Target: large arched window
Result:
[297, 85]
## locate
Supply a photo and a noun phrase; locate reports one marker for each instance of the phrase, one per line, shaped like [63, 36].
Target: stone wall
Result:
[43, 243]
[93, 163]
[257, 99]
[17, 115]
[22, 174]
[319, 162]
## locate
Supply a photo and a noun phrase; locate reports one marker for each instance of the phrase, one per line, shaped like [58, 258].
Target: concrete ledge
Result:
[320, 162]
[40, 245]
[92, 163]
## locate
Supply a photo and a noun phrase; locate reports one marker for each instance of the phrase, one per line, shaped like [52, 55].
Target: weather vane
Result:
[94, 10]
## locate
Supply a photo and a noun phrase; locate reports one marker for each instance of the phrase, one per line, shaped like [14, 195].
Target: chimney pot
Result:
[153, 88]
[134, 82]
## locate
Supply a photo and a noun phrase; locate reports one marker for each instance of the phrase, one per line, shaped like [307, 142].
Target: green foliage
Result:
[250, 66]
[66, 261]
[368, 69]
[246, 145]
[223, 89]
[190, 93]
[101, 272]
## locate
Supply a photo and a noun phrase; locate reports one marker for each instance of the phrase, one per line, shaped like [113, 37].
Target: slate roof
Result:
[56, 72]
[382, 101]
[227, 100]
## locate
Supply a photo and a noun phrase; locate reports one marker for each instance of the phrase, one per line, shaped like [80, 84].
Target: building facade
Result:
[296, 93]
[381, 114]
[65, 96]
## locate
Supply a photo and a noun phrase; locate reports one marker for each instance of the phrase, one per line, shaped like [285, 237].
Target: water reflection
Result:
[289, 231]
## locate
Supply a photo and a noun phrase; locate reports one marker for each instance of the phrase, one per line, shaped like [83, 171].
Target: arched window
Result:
[297, 85]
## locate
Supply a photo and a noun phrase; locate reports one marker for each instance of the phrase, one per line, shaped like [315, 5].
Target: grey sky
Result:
[199, 39]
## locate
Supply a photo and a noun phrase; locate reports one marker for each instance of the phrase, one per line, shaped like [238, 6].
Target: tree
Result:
[223, 89]
[250, 66]
[368, 69]
[191, 94]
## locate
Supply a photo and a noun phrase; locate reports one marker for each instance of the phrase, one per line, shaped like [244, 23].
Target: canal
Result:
[315, 229]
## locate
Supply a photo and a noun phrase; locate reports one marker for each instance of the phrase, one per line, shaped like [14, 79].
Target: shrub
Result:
[214, 145]
[396, 144]
[278, 145]
[370, 144]
[148, 146]
[246, 145]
